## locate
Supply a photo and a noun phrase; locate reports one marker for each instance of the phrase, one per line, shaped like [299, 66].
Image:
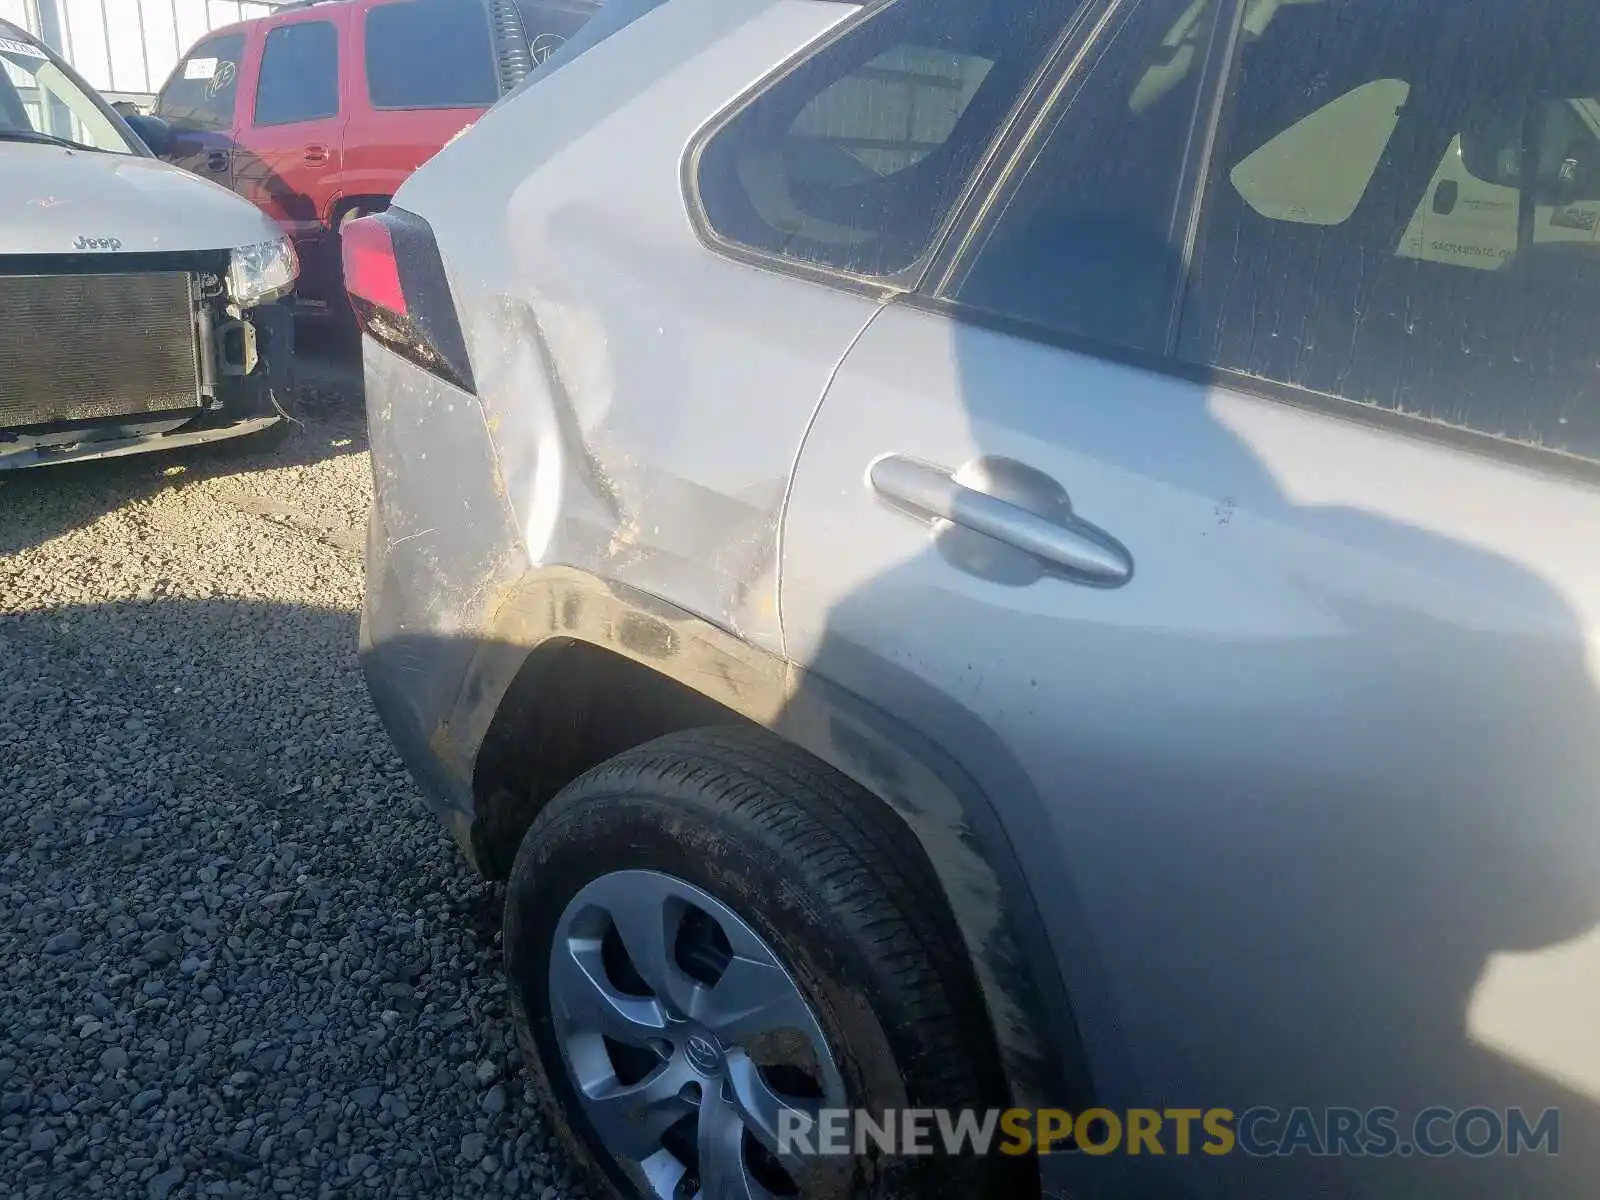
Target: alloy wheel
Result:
[690, 1046]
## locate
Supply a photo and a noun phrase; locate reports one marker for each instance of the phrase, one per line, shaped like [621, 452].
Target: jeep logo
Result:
[89, 243]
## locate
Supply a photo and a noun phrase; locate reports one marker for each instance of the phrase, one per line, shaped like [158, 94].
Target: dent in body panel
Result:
[645, 396]
[448, 523]
[441, 546]
[648, 465]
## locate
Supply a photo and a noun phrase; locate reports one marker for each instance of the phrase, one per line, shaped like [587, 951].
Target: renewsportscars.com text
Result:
[1338, 1132]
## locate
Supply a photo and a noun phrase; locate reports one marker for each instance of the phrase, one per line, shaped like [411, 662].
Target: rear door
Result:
[290, 149]
[425, 72]
[1269, 619]
[199, 100]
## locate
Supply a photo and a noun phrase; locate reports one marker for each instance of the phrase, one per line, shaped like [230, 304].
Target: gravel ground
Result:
[237, 956]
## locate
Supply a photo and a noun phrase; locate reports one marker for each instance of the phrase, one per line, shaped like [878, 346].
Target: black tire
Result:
[824, 875]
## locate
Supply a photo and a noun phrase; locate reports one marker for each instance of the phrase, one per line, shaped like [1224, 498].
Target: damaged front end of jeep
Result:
[114, 354]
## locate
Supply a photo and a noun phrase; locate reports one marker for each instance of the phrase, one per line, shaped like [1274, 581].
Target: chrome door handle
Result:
[316, 155]
[1011, 503]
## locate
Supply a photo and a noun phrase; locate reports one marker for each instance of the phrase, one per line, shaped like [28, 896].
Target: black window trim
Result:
[366, 75]
[340, 66]
[880, 287]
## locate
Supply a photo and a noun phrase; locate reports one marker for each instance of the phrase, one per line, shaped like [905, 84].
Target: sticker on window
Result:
[200, 68]
[221, 80]
[7, 46]
[1574, 218]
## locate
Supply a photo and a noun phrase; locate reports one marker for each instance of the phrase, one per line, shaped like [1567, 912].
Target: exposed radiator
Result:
[84, 347]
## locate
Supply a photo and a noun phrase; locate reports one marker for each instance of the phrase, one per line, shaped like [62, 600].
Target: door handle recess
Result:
[1011, 503]
[316, 154]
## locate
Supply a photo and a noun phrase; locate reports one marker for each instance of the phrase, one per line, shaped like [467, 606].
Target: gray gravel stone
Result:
[144, 1100]
[64, 942]
[237, 954]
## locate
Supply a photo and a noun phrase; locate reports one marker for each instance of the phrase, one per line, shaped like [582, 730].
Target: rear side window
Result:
[199, 96]
[430, 54]
[1406, 214]
[299, 74]
[852, 161]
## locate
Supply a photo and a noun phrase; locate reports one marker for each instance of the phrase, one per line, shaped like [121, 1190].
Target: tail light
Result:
[397, 286]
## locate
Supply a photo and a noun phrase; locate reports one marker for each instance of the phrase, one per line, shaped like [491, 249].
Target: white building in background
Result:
[126, 48]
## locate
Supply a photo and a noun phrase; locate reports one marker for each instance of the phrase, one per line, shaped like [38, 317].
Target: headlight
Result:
[262, 272]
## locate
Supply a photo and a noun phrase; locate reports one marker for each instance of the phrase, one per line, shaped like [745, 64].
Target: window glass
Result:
[299, 74]
[562, 31]
[1405, 212]
[200, 94]
[853, 159]
[430, 54]
[888, 115]
[38, 97]
[550, 24]
[1087, 243]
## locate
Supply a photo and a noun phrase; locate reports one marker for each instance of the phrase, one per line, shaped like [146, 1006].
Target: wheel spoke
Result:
[586, 1002]
[663, 1172]
[762, 1111]
[752, 997]
[648, 924]
[723, 1174]
[631, 1119]
[710, 1034]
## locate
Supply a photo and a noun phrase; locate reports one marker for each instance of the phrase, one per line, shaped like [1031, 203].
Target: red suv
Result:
[320, 111]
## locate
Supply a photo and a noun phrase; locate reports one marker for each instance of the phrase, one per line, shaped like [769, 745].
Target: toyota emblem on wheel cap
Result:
[703, 1054]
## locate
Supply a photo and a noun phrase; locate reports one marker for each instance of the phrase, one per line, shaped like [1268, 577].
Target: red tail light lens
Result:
[397, 287]
[370, 270]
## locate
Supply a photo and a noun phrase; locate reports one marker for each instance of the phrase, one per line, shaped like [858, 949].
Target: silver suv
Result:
[982, 556]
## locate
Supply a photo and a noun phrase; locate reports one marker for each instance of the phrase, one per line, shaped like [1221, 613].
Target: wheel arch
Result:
[365, 204]
[540, 703]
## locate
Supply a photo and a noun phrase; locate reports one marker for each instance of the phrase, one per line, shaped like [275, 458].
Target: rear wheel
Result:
[710, 939]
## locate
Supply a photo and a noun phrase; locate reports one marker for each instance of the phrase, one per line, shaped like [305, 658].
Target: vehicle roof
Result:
[298, 6]
[294, 6]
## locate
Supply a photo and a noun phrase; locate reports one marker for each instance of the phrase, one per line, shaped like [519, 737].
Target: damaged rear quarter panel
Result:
[443, 526]
[646, 398]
